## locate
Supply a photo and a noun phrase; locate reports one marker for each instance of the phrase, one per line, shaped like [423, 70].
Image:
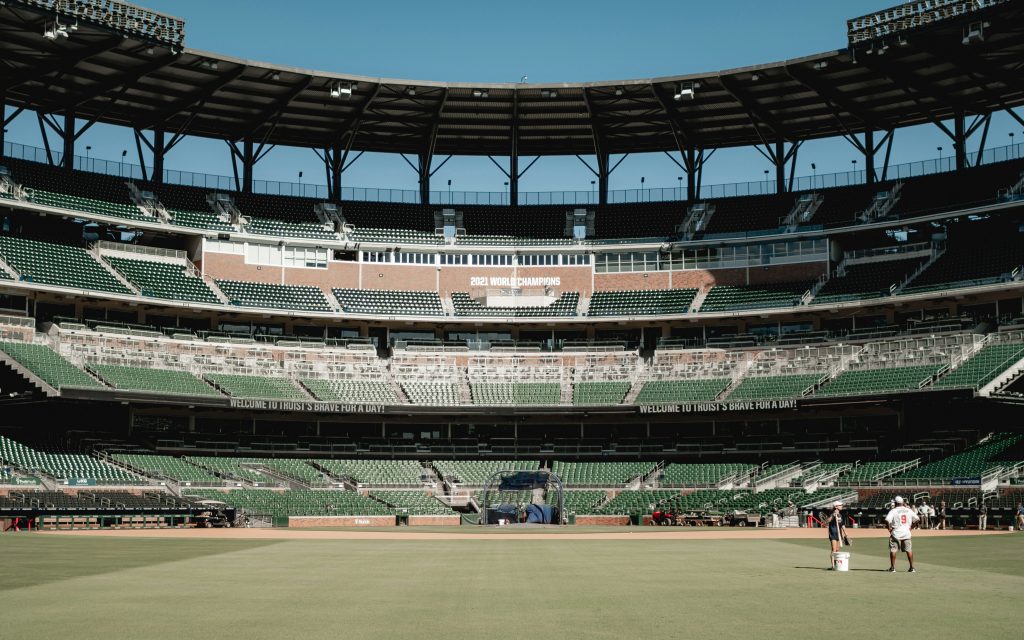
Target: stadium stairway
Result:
[6, 270]
[639, 380]
[44, 386]
[698, 299]
[739, 374]
[396, 388]
[210, 282]
[24, 372]
[94, 251]
[1003, 379]
[909, 280]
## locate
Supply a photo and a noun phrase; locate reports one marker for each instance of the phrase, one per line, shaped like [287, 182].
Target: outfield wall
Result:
[306, 522]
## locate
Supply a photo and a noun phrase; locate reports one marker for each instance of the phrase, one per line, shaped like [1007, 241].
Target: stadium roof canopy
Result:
[145, 79]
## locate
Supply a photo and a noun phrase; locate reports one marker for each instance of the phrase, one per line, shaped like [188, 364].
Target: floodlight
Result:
[821, 65]
[549, 93]
[339, 90]
[411, 91]
[974, 33]
[479, 93]
[686, 90]
[54, 30]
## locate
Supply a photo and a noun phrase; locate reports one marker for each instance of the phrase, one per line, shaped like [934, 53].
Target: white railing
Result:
[105, 245]
[899, 250]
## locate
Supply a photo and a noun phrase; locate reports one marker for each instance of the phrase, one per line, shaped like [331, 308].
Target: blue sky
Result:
[460, 40]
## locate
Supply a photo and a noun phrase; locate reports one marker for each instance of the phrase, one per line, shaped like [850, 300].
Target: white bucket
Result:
[841, 560]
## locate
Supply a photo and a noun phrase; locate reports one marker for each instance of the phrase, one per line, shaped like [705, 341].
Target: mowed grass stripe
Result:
[994, 554]
[521, 588]
[30, 559]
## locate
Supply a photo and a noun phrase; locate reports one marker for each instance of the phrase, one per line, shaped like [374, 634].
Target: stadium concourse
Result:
[180, 350]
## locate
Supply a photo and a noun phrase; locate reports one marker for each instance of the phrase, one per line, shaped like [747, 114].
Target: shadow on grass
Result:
[31, 559]
[827, 569]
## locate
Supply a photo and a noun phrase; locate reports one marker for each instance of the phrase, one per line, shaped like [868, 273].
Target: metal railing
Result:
[555, 198]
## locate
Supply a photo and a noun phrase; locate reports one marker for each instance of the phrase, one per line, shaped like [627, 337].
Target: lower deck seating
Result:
[64, 466]
[237, 470]
[729, 298]
[58, 265]
[863, 281]
[153, 380]
[351, 391]
[438, 394]
[984, 366]
[175, 469]
[516, 393]
[599, 393]
[277, 228]
[964, 264]
[582, 501]
[296, 502]
[241, 386]
[274, 296]
[635, 503]
[972, 463]
[600, 474]
[641, 303]
[771, 387]
[413, 303]
[199, 220]
[865, 381]
[415, 503]
[164, 280]
[478, 472]
[674, 391]
[702, 475]
[48, 365]
[376, 472]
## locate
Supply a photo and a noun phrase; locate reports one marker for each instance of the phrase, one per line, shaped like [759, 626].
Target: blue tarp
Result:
[539, 513]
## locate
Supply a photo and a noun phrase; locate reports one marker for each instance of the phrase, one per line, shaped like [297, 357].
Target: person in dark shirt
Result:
[836, 532]
[943, 513]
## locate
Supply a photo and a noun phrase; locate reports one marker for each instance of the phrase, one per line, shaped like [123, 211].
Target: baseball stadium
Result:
[313, 409]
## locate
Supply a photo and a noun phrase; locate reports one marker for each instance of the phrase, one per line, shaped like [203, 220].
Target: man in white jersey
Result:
[900, 520]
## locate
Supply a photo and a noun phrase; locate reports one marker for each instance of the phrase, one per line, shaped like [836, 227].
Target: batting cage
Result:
[522, 498]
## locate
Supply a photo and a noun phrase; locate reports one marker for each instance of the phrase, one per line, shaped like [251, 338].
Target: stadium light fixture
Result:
[686, 90]
[410, 91]
[480, 93]
[275, 76]
[974, 33]
[549, 93]
[754, 77]
[619, 91]
[55, 29]
[341, 90]
[821, 65]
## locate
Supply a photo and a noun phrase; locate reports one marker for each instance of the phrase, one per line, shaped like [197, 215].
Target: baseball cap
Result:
[898, 499]
[837, 503]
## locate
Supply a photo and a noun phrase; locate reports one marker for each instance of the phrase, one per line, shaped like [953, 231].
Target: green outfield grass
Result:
[89, 587]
